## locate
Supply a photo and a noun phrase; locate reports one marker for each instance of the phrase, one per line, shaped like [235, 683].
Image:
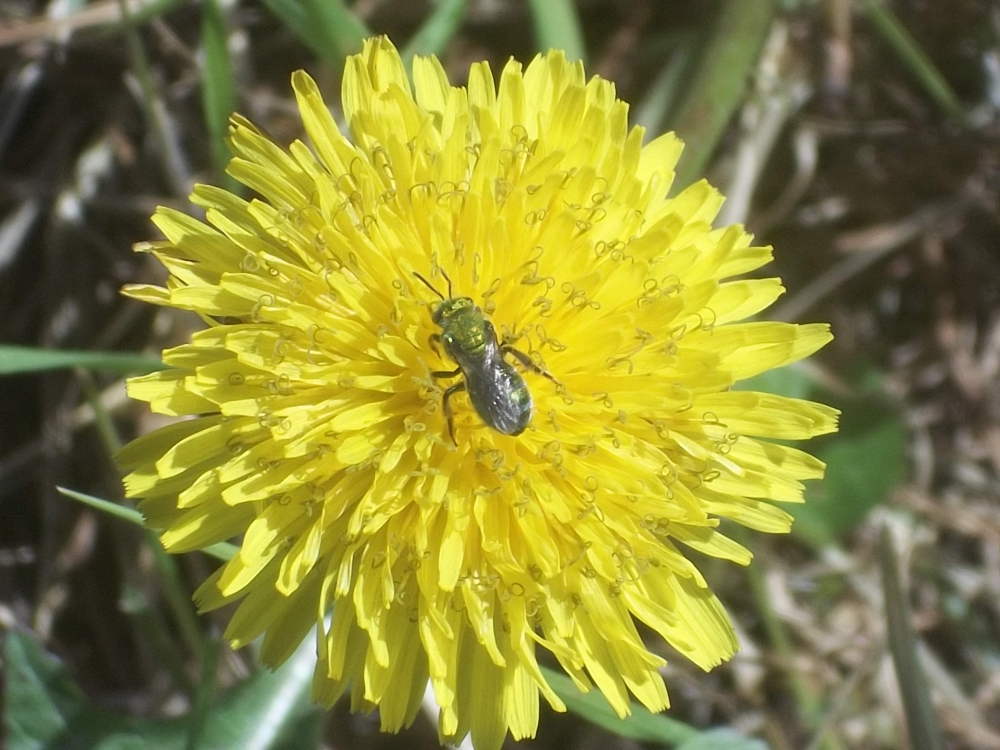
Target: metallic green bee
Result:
[497, 391]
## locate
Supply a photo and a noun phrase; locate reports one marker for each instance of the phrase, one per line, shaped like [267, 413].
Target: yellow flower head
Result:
[508, 453]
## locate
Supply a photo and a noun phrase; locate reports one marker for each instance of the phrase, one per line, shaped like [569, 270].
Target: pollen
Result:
[316, 420]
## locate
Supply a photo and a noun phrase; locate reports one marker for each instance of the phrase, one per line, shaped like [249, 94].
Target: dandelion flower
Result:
[425, 547]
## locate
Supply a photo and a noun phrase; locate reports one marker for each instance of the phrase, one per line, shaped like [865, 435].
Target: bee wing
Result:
[500, 396]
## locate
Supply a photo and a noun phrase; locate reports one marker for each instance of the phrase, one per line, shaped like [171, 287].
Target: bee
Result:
[496, 389]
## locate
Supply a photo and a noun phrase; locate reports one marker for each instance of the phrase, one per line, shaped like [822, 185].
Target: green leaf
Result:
[863, 467]
[557, 26]
[719, 82]
[21, 359]
[218, 88]
[45, 710]
[921, 720]
[643, 725]
[224, 551]
[793, 381]
[722, 739]
[436, 31]
[865, 460]
[221, 551]
[271, 709]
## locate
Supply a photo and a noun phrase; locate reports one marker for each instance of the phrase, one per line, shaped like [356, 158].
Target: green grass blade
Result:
[325, 26]
[153, 10]
[720, 82]
[151, 627]
[666, 87]
[15, 360]
[294, 16]
[437, 30]
[340, 30]
[218, 88]
[174, 159]
[913, 56]
[139, 16]
[177, 596]
[107, 506]
[921, 719]
[557, 26]
[103, 420]
[202, 707]
[221, 551]
[806, 702]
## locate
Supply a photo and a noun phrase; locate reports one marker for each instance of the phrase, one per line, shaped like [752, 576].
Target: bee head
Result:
[450, 308]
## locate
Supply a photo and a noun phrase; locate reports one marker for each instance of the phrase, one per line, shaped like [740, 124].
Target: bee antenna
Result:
[430, 286]
[448, 279]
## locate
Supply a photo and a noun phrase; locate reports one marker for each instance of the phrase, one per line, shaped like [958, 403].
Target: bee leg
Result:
[435, 341]
[446, 373]
[525, 360]
[446, 403]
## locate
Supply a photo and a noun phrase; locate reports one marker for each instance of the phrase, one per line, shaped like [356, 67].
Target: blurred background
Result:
[861, 139]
